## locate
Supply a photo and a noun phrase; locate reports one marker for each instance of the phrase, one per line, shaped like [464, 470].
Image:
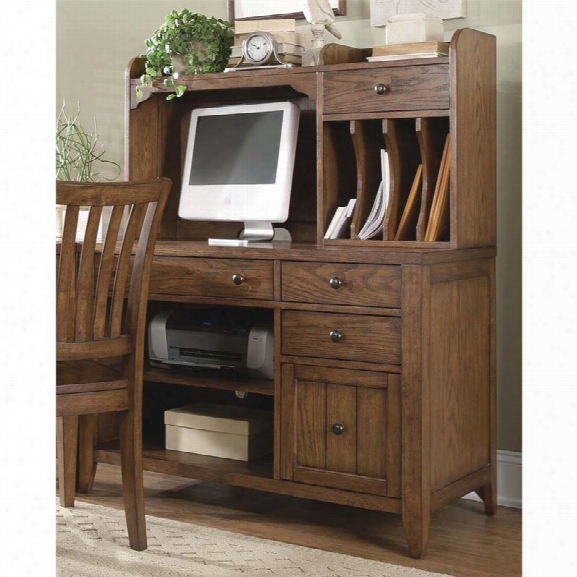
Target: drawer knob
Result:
[336, 336]
[338, 429]
[380, 89]
[238, 279]
[336, 282]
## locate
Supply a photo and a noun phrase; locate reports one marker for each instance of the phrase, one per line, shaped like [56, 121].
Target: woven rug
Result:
[91, 541]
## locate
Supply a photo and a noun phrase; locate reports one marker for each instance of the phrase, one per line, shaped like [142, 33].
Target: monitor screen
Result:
[248, 154]
[239, 163]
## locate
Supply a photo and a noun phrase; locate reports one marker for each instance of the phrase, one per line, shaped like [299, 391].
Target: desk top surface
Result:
[320, 253]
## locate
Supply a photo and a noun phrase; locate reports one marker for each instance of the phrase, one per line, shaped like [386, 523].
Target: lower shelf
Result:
[254, 475]
[194, 466]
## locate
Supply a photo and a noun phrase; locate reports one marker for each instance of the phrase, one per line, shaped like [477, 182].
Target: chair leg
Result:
[132, 480]
[67, 445]
[87, 436]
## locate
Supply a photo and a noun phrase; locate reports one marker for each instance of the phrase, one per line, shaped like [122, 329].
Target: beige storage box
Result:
[220, 431]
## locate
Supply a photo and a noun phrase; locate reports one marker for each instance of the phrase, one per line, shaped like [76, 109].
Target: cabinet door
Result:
[341, 428]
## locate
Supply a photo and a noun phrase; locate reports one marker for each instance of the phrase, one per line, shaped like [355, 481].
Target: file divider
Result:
[431, 135]
[368, 142]
[404, 158]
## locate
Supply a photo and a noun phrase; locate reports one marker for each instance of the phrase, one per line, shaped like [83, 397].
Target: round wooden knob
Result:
[238, 279]
[380, 89]
[335, 336]
[338, 429]
[336, 282]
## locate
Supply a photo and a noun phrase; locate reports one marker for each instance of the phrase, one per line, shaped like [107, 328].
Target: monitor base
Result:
[254, 234]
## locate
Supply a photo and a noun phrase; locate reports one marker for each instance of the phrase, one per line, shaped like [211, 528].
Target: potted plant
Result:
[78, 155]
[186, 43]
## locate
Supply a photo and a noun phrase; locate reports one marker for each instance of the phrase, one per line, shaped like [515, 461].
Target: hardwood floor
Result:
[464, 542]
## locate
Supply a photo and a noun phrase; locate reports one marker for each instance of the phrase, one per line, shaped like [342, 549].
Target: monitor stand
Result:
[254, 233]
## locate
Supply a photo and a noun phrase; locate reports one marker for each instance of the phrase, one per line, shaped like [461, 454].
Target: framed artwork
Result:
[256, 9]
[382, 10]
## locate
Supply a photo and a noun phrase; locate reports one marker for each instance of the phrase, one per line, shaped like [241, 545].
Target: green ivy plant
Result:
[78, 154]
[205, 43]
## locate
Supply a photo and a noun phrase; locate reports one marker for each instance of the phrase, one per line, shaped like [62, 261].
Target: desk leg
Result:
[416, 491]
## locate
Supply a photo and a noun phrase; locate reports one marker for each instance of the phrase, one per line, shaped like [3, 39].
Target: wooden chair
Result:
[100, 332]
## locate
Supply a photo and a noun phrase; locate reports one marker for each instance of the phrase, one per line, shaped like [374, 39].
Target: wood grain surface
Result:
[212, 277]
[362, 285]
[371, 338]
[410, 88]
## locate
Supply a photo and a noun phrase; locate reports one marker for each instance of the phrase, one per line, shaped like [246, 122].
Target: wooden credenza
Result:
[384, 388]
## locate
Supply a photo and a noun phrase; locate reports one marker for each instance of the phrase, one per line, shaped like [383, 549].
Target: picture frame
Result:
[382, 10]
[253, 9]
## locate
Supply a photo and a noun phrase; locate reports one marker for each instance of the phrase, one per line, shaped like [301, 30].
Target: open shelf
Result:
[208, 378]
[414, 146]
[193, 466]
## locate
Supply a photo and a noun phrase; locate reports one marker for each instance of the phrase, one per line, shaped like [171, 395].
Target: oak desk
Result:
[384, 388]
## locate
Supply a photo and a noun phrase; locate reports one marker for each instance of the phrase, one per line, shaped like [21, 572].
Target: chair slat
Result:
[91, 387]
[141, 268]
[85, 287]
[89, 403]
[122, 269]
[94, 349]
[105, 273]
[102, 194]
[66, 283]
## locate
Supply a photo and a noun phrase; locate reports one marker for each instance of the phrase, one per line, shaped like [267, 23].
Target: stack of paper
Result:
[376, 219]
[341, 220]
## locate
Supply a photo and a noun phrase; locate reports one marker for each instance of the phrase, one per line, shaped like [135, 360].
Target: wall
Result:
[96, 38]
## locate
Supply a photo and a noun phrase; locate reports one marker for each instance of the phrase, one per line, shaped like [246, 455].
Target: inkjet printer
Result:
[211, 339]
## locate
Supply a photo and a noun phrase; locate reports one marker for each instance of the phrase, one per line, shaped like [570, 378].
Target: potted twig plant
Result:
[186, 43]
[78, 155]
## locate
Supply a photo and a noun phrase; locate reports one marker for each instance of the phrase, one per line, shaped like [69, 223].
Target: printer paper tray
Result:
[192, 364]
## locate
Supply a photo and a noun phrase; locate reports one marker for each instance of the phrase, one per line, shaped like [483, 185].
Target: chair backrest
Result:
[88, 324]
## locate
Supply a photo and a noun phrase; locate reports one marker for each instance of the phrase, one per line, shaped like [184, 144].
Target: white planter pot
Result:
[83, 220]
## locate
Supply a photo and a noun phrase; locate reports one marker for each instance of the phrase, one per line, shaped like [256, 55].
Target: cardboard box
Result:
[420, 27]
[220, 431]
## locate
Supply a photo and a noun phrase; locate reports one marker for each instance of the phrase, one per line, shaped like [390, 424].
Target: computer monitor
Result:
[239, 167]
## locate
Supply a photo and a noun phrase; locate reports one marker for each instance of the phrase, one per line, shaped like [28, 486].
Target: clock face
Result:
[258, 48]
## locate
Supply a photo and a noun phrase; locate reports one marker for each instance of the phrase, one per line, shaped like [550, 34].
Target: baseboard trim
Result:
[509, 480]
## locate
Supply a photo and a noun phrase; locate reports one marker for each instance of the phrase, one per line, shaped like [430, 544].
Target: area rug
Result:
[91, 541]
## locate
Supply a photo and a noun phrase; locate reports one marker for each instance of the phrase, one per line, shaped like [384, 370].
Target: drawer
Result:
[409, 88]
[341, 336]
[342, 284]
[212, 277]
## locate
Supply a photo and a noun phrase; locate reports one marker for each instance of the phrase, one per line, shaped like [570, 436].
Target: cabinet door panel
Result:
[372, 424]
[341, 430]
[335, 430]
[310, 425]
